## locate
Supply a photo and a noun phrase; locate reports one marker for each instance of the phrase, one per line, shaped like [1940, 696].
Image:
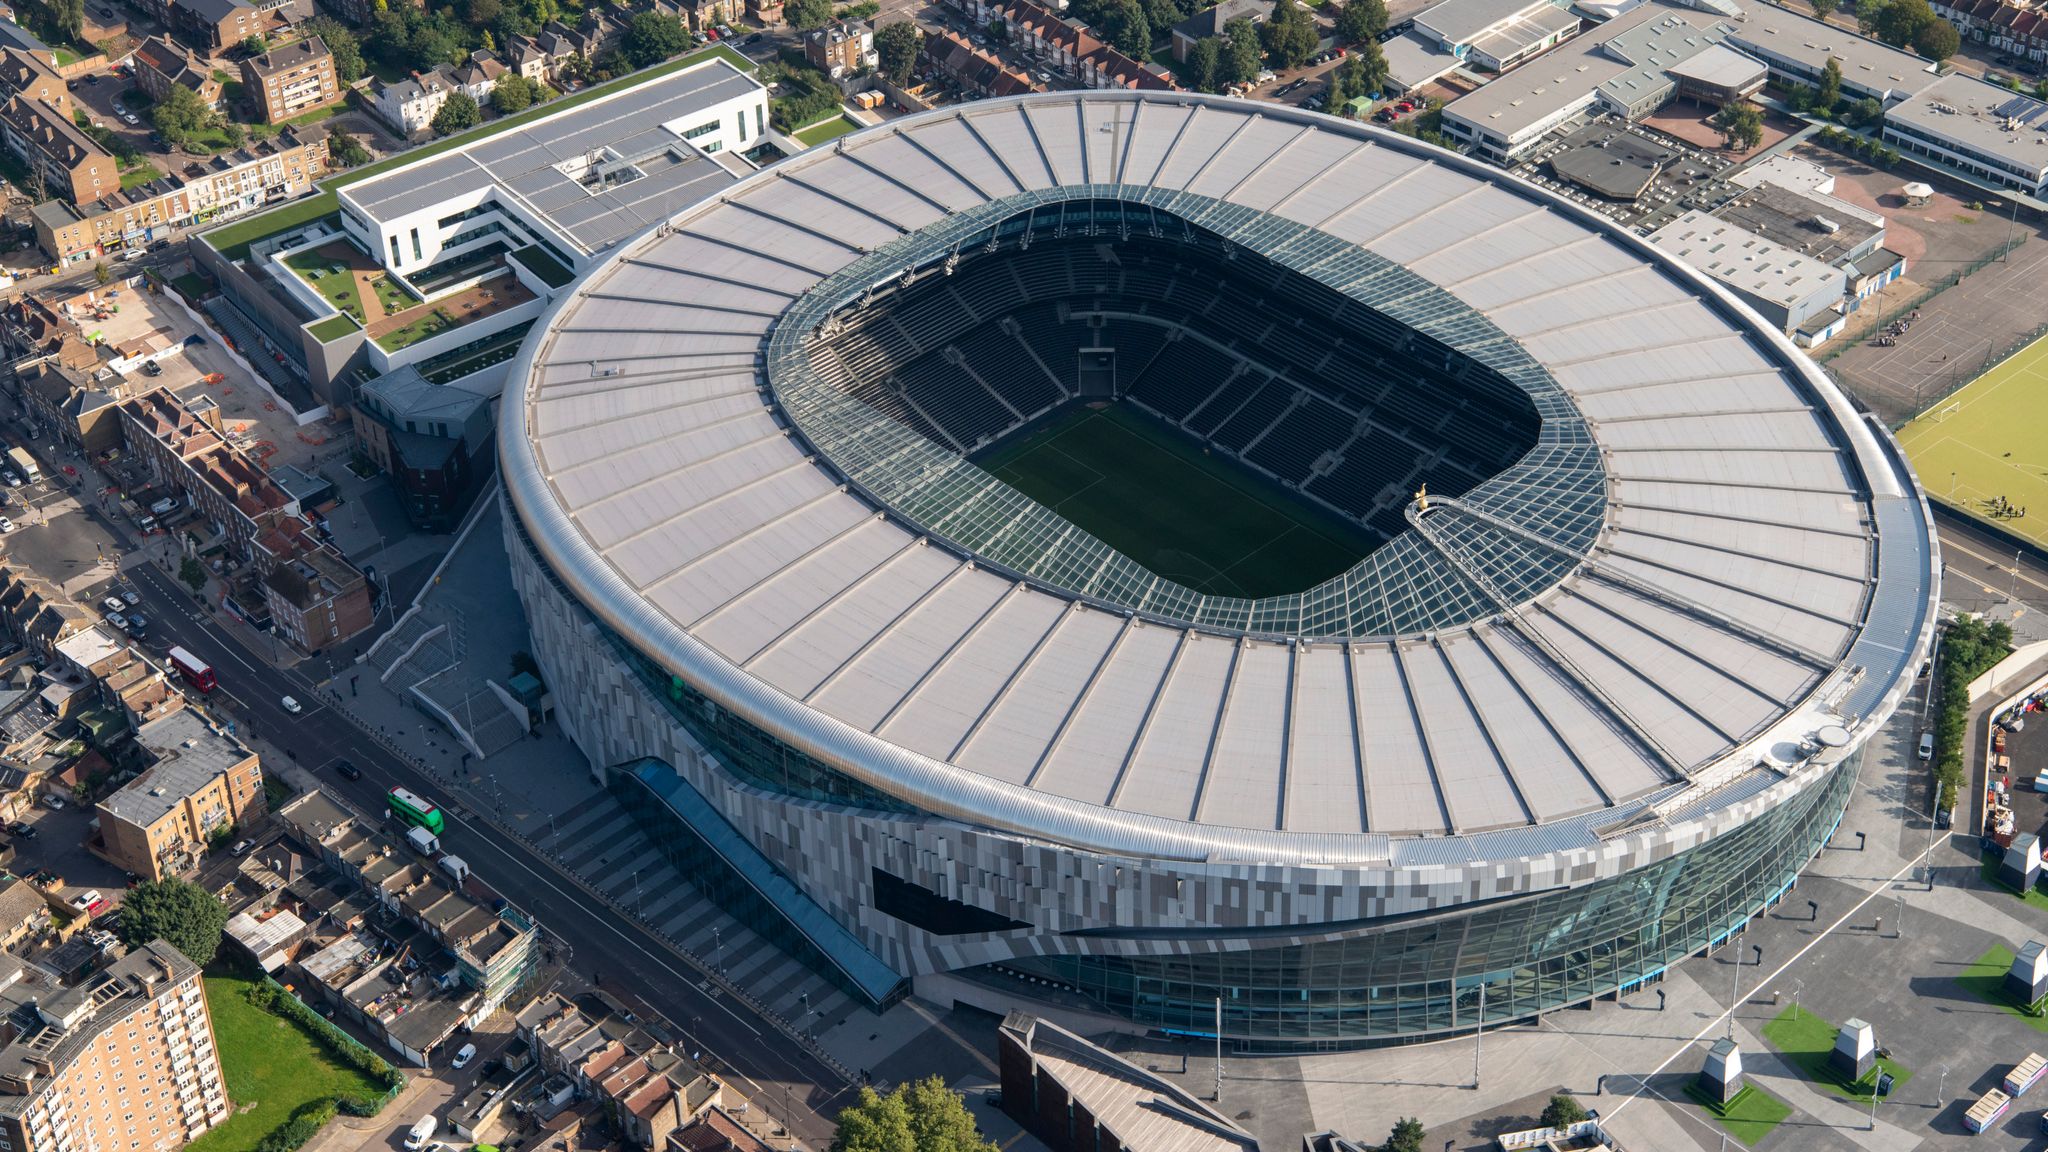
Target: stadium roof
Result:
[1758, 567]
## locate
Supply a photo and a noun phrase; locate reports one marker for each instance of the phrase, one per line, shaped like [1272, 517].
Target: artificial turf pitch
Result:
[1160, 498]
[1987, 440]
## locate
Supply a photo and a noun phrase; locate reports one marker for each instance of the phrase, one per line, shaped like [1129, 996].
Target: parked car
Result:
[22, 829]
[241, 848]
[115, 604]
[119, 621]
[6, 525]
[1927, 745]
[136, 624]
[152, 368]
[90, 902]
[11, 479]
[463, 1057]
[53, 802]
[130, 119]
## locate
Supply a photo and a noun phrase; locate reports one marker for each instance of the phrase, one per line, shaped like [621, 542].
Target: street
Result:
[623, 958]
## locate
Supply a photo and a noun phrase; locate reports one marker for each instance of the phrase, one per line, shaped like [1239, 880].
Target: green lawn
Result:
[1985, 980]
[1806, 1040]
[233, 240]
[1749, 1117]
[1157, 496]
[1988, 870]
[824, 130]
[270, 1063]
[1990, 440]
[332, 328]
[432, 324]
[137, 176]
[337, 288]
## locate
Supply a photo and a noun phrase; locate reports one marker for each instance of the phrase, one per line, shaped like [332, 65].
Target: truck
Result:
[423, 842]
[24, 464]
[455, 866]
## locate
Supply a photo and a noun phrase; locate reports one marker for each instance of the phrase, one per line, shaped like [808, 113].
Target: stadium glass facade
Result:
[1397, 981]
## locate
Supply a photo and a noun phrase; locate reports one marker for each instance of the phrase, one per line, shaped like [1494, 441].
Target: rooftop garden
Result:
[333, 328]
[234, 239]
[434, 322]
[825, 130]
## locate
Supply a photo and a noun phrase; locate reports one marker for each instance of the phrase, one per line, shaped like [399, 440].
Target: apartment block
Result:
[123, 1059]
[43, 136]
[317, 598]
[199, 779]
[842, 50]
[295, 79]
[216, 189]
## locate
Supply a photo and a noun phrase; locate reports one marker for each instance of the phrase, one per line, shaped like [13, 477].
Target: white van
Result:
[456, 868]
[422, 1130]
[423, 842]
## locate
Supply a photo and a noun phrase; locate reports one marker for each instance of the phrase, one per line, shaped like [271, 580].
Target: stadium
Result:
[1170, 559]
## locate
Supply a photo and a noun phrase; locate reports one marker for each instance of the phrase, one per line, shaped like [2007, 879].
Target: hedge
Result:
[1969, 648]
[272, 997]
[303, 1126]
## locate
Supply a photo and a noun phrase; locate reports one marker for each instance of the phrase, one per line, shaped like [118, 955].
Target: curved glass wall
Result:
[1424, 979]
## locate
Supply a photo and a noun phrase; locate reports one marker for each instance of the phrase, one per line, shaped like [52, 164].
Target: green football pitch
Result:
[1984, 449]
[1158, 497]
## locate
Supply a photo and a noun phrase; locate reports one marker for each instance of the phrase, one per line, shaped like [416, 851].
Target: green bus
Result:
[411, 809]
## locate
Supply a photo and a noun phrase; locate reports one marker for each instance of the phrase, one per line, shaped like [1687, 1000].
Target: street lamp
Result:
[1941, 1087]
[718, 942]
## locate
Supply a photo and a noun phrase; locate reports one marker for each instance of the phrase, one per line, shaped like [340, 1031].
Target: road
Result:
[755, 1057]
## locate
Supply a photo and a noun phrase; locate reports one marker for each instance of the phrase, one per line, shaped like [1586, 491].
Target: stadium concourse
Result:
[1193, 705]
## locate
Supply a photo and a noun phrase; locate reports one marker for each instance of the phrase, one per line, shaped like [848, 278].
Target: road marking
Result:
[1884, 886]
[2001, 565]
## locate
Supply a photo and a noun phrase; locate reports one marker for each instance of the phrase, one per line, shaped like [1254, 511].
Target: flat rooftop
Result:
[631, 165]
[1871, 64]
[1744, 260]
[1819, 228]
[1983, 117]
[189, 755]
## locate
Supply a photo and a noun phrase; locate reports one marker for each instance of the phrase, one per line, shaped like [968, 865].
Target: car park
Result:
[119, 621]
[114, 604]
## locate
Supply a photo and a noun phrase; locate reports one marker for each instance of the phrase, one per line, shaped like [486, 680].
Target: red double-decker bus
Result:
[198, 673]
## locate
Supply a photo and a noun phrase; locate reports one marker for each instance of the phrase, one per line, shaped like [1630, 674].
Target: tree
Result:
[1406, 1137]
[1362, 20]
[483, 13]
[342, 44]
[100, 274]
[189, 917]
[255, 45]
[1937, 40]
[1204, 63]
[1829, 92]
[654, 37]
[1897, 22]
[925, 1116]
[345, 150]
[511, 93]
[804, 15]
[1823, 8]
[1241, 38]
[1740, 125]
[896, 44]
[1124, 25]
[1562, 1112]
[69, 16]
[1865, 113]
[998, 31]
[192, 573]
[1290, 35]
[181, 115]
[1163, 13]
[1367, 66]
[458, 113]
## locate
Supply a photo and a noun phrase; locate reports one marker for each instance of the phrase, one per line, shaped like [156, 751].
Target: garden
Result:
[278, 1072]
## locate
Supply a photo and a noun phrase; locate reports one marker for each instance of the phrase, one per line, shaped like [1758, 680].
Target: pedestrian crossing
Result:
[597, 840]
